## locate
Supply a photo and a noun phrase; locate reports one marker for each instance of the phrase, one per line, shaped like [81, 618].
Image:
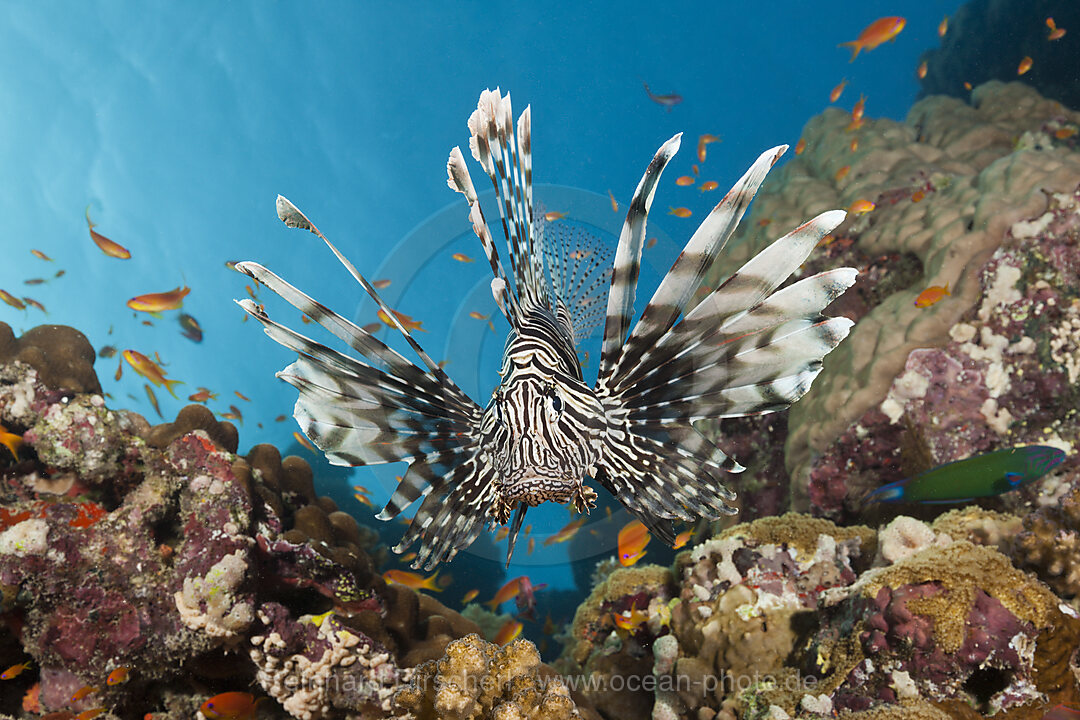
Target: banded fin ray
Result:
[682, 280]
[745, 349]
[627, 266]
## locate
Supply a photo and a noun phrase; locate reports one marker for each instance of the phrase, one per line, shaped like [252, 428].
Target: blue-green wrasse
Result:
[979, 476]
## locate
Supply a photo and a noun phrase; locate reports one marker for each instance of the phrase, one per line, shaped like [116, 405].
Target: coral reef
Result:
[158, 549]
[980, 198]
[795, 616]
[479, 680]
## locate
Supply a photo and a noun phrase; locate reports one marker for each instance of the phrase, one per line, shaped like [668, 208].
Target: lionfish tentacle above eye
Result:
[750, 346]
[745, 349]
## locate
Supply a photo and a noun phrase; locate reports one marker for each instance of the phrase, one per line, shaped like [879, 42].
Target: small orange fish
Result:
[943, 26]
[967, 85]
[1056, 34]
[682, 538]
[837, 91]
[877, 32]
[119, 369]
[231, 706]
[241, 395]
[462, 258]
[531, 546]
[854, 144]
[861, 206]
[507, 592]
[304, 441]
[680, 212]
[203, 395]
[709, 185]
[633, 538]
[921, 71]
[364, 500]
[117, 676]
[567, 532]
[501, 534]
[800, 146]
[12, 300]
[82, 692]
[405, 320]
[614, 202]
[857, 114]
[107, 246]
[931, 295]
[234, 414]
[650, 243]
[409, 557]
[842, 173]
[763, 222]
[280, 418]
[149, 370]
[153, 400]
[694, 169]
[684, 180]
[702, 143]
[917, 196]
[631, 619]
[1024, 65]
[41, 256]
[1064, 133]
[476, 315]
[416, 581]
[156, 302]
[11, 441]
[15, 671]
[508, 632]
[90, 714]
[469, 596]
[553, 216]
[381, 284]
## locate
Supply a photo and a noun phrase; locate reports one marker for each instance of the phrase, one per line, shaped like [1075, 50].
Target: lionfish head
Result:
[543, 436]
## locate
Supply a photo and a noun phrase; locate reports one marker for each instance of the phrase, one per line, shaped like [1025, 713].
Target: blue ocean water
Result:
[178, 125]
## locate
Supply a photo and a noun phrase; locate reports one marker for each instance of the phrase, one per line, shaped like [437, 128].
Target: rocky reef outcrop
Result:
[159, 550]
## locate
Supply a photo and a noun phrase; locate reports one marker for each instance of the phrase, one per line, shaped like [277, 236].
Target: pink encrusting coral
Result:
[160, 550]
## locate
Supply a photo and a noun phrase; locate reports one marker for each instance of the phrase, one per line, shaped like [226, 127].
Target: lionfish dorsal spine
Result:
[620, 305]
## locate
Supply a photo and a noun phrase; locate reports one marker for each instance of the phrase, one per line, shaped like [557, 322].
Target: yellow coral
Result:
[477, 680]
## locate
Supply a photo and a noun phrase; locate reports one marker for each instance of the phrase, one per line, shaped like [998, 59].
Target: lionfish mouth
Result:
[536, 489]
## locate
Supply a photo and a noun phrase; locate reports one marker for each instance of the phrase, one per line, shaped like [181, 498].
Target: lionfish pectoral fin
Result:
[515, 528]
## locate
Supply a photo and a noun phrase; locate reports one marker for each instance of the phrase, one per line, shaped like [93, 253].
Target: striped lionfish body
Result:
[747, 348]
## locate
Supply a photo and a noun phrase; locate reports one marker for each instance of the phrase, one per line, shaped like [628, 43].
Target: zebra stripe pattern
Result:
[748, 347]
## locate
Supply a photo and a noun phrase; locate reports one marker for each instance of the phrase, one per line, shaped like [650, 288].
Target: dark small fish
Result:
[979, 476]
[107, 351]
[34, 281]
[668, 101]
[35, 304]
[60, 273]
[192, 329]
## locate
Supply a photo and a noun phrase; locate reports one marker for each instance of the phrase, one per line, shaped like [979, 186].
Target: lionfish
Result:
[746, 348]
